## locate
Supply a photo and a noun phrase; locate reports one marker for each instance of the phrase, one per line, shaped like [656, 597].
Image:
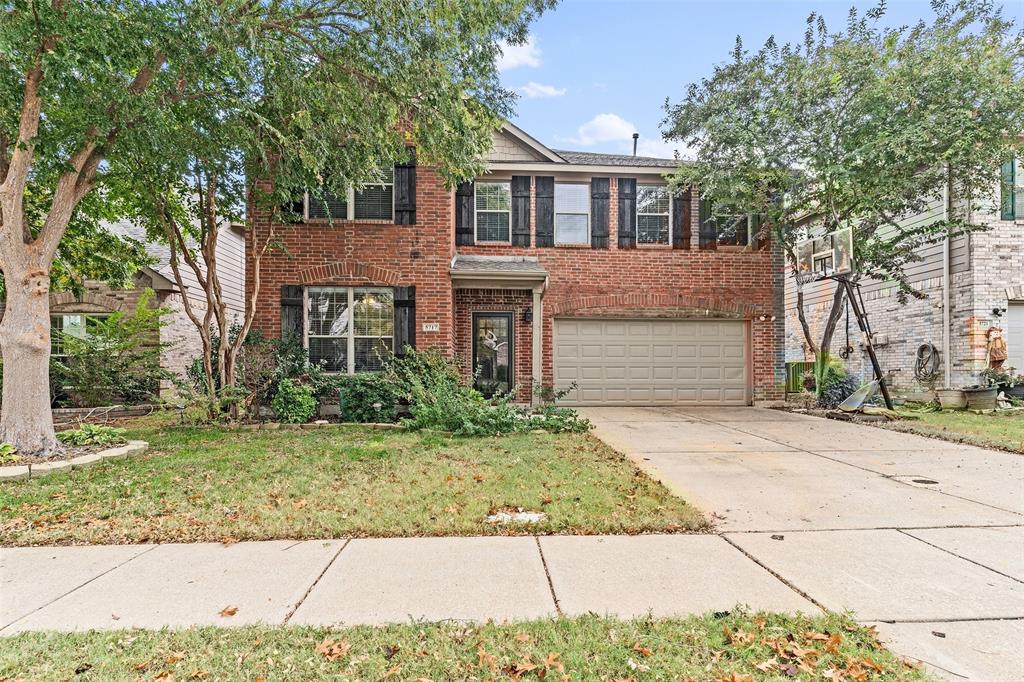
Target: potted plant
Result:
[951, 398]
[1000, 378]
[1016, 389]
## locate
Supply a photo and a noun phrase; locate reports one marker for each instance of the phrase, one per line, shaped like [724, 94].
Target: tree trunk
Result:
[811, 346]
[27, 421]
[834, 315]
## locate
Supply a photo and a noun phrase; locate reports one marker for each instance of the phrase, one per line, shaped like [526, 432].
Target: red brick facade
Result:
[642, 282]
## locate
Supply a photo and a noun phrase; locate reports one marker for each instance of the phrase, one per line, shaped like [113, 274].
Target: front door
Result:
[492, 352]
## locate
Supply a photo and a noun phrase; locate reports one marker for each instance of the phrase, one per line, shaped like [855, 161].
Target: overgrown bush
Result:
[118, 359]
[294, 403]
[425, 370]
[368, 398]
[92, 434]
[838, 391]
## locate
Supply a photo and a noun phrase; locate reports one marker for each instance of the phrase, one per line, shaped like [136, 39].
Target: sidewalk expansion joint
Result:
[291, 612]
[958, 556]
[922, 621]
[778, 576]
[78, 587]
[751, 531]
[547, 574]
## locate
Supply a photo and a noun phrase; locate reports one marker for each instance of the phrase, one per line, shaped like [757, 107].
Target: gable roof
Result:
[534, 156]
[600, 159]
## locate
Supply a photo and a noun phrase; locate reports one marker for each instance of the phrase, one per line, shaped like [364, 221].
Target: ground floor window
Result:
[492, 352]
[349, 329]
[70, 324]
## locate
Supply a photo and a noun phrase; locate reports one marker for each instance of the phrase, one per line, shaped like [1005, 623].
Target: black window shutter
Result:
[754, 231]
[627, 213]
[545, 210]
[405, 192]
[520, 210]
[708, 229]
[405, 319]
[681, 220]
[291, 311]
[599, 193]
[464, 215]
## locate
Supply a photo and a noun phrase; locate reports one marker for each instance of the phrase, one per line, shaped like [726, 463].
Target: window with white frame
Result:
[374, 200]
[572, 213]
[349, 329]
[652, 214]
[76, 325]
[493, 211]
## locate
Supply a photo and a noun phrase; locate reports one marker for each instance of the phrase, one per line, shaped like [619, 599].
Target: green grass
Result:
[213, 484]
[1004, 430]
[727, 648]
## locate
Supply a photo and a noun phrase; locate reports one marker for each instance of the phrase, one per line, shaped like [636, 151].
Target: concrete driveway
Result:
[923, 537]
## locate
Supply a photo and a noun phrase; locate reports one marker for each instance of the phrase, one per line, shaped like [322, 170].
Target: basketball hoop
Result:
[825, 257]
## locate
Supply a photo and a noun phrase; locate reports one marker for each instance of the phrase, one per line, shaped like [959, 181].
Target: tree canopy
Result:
[130, 105]
[860, 127]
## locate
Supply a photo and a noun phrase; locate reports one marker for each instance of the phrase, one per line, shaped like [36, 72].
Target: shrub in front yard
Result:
[92, 434]
[368, 398]
[294, 403]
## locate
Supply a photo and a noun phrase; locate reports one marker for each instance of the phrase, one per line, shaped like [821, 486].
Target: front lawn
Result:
[214, 484]
[733, 648]
[1004, 430]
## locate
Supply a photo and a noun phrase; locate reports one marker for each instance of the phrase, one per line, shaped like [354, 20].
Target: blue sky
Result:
[595, 71]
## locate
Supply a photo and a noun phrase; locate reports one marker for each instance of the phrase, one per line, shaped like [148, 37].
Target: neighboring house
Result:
[572, 269]
[981, 275]
[70, 314]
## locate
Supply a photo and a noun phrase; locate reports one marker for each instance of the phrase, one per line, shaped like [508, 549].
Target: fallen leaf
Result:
[228, 611]
[174, 657]
[299, 504]
[83, 668]
[642, 650]
[486, 659]
[199, 674]
[332, 649]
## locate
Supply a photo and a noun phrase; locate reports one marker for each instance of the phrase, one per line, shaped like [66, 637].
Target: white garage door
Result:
[1015, 336]
[651, 362]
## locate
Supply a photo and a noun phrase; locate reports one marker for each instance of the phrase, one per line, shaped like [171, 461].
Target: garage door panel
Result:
[687, 362]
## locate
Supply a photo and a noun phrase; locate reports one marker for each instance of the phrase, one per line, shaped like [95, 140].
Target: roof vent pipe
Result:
[636, 136]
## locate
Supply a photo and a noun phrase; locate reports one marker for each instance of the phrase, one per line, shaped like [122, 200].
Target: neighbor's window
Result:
[572, 214]
[372, 201]
[652, 214]
[493, 211]
[349, 329]
[71, 324]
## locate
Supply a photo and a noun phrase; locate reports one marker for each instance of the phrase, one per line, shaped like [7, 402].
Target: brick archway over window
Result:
[105, 303]
[349, 269]
[704, 305]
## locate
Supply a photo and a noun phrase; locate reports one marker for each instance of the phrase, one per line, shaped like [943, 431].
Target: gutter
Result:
[947, 364]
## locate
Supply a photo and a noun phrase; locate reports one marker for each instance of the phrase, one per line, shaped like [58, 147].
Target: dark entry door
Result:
[493, 352]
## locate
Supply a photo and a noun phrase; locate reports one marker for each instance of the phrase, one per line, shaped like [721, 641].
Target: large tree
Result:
[860, 128]
[113, 96]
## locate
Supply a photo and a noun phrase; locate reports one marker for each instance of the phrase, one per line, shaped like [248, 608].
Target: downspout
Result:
[947, 364]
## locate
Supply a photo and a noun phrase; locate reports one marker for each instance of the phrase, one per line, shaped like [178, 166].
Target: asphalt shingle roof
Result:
[599, 159]
[497, 264]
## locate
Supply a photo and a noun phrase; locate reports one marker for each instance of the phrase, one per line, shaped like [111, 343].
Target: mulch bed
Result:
[67, 452]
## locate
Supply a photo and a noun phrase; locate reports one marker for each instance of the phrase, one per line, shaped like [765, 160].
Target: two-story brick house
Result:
[563, 268]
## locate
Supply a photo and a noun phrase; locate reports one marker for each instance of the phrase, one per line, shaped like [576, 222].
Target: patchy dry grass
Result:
[736, 647]
[202, 484]
[1003, 430]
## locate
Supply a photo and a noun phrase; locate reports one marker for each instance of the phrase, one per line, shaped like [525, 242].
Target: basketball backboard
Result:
[825, 256]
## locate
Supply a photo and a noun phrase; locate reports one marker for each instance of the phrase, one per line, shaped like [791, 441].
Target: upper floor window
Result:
[652, 214]
[76, 325]
[349, 329]
[572, 214]
[493, 211]
[733, 228]
[373, 201]
[1012, 190]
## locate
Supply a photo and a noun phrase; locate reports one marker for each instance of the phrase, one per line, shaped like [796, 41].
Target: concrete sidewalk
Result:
[376, 581]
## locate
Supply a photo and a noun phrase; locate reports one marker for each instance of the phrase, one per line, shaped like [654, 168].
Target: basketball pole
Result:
[865, 328]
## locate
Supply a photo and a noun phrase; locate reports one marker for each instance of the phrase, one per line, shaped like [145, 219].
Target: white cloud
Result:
[535, 90]
[615, 134]
[512, 56]
[603, 128]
